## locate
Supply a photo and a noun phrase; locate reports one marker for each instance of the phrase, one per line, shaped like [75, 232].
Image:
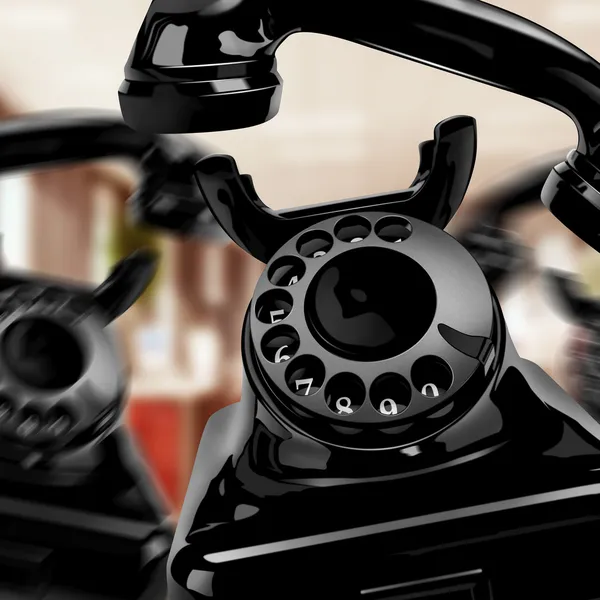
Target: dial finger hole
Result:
[345, 394]
[29, 424]
[273, 306]
[305, 375]
[352, 229]
[390, 394]
[43, 353]
[280, 344]
[393, 229]
[7, 407]
[286, 271]
[58, 422]
[431, 376]
[314, 244]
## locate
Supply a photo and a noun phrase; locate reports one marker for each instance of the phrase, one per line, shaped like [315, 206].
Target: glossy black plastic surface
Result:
[167, 196]
[267, 515]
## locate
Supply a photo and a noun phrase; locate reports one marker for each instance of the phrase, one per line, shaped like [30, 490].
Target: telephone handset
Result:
[201, 65]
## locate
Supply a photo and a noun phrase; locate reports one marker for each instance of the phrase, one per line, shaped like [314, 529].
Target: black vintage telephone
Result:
[75, 499]
[390, 443]
[79, 515]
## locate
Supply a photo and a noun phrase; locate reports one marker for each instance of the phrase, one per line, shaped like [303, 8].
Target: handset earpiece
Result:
[445, 169]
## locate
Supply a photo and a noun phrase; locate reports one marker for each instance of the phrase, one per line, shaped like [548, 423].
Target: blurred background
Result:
[350, 123]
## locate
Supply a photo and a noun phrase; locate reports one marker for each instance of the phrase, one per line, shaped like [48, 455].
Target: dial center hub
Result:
[42, 353]
[371, 303]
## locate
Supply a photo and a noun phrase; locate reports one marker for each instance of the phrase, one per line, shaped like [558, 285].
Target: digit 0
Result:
[388, 407]
[430, 390]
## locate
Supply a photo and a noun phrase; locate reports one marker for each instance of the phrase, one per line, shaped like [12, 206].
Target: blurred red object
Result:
[167, 430]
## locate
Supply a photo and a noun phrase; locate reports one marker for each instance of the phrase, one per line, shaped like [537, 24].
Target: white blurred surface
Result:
[14, 211]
